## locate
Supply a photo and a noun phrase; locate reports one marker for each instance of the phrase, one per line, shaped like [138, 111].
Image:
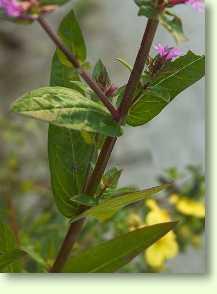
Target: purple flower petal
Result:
[12, 8]
[166, 52]
[197, 4]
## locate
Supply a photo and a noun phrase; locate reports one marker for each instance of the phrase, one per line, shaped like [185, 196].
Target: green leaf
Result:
[67, 108]
[9, 254]
[62, 75]
[110, 256]
[175, 78]
[111, 193]
[9, 258]
[70, 33]
[67, 77]
[173, 24]
[125, 64]
[85, 200]
[108, 207]
[70, 158]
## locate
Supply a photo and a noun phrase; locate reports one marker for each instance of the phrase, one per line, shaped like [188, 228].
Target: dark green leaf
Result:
[110, 256]
[175, 78]
[67, 108]
[108, 207]
[173, 24]
[70, 158]
[67, 77]
[71, 34]
[62, 75]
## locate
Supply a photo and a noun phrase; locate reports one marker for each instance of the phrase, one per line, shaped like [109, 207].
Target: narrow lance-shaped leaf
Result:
[67, 108]
[108, 207]
[125, 64]
[175, 78]
[110, 256]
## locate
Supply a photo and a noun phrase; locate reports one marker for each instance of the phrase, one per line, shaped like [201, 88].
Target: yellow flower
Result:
[166, 247]
[159, 252]
[187, 206]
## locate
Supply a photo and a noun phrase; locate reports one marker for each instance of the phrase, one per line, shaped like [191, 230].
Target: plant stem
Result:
[109, 144]
[75, 62]
[138, 68]
[126, 102]
[66, 247]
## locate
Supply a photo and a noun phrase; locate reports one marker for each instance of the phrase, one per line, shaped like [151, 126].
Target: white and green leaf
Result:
[67, 108]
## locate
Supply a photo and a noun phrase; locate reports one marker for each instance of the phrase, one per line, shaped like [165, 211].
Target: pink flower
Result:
[12, 8]
[196, 4]
[166, 52]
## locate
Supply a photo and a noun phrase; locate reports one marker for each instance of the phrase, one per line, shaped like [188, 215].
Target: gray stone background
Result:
[112, 29]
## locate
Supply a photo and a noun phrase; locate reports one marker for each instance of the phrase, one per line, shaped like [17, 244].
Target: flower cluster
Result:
[167, 53]
[164, 55]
